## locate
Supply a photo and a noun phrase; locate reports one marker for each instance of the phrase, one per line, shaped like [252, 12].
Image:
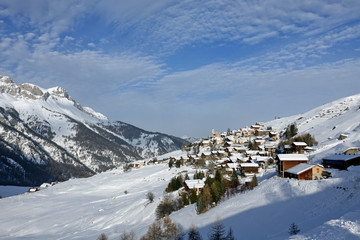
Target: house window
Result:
[317, 170]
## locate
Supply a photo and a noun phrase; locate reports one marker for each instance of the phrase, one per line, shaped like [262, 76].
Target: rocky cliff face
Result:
[45, 135]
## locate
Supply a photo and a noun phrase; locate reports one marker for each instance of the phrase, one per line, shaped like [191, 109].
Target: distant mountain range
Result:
[45, 135]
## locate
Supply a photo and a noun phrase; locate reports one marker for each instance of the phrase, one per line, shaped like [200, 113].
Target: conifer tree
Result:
[102, 237]
[234, 179]
[194, 234]
[217, 231]
[294, 229]
[230, 235]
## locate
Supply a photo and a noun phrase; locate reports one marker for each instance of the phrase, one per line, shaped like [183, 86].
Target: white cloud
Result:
[188, 22]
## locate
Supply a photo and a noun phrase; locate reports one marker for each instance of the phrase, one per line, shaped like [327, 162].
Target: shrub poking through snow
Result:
[294, 229]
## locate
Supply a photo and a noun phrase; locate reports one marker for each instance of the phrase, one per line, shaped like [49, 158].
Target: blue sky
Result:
[185, 67]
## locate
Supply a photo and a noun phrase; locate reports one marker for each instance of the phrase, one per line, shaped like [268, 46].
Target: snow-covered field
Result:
[84, 208]
[114, 201]
[7, 191]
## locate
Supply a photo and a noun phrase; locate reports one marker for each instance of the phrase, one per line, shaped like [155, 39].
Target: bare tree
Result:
[150, 196]
[154, 232]
[127, 236]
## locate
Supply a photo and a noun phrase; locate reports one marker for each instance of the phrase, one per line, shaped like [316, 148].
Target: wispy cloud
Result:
[251, 22]
[118, 53]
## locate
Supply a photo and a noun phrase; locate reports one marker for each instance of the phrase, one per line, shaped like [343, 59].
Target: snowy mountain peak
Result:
[59, 92]
[23, 90]
[5, 80]
[46, 127]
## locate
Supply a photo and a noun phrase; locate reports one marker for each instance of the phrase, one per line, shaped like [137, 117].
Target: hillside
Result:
[326, 123]
[84, 208]
[114, 201]
[45, 135]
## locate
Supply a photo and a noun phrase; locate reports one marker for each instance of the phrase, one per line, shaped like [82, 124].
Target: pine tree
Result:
[293, 230]
[194, 233]
[217, 231]
[230, 235]
[102, 237]
[255, 181]
[234, 179]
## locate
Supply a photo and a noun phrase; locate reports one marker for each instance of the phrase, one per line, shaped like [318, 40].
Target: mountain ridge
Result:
[48, 127]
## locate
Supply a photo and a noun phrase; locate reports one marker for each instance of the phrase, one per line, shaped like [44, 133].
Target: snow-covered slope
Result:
[45, 135]
[114, 201]
[326, 123]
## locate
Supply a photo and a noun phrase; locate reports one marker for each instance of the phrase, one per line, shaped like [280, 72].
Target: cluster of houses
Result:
[230, 152]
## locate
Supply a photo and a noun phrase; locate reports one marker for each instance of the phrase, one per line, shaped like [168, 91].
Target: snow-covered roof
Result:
[300, 168]
[249, 165]
[197, 183]
[270, 145]
[342, 157]
[260, 158]
[300, 144]
[292, 157]
[233, 165]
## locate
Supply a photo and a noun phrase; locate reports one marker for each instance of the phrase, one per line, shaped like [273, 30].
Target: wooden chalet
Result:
[287, 161]
[304, 171]
[341, 161]
[274, 136]
[194, 185]
[259, 142]
[352, 150]
[205, 143]
[270, 148]
[298, 147]
[249, 168]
